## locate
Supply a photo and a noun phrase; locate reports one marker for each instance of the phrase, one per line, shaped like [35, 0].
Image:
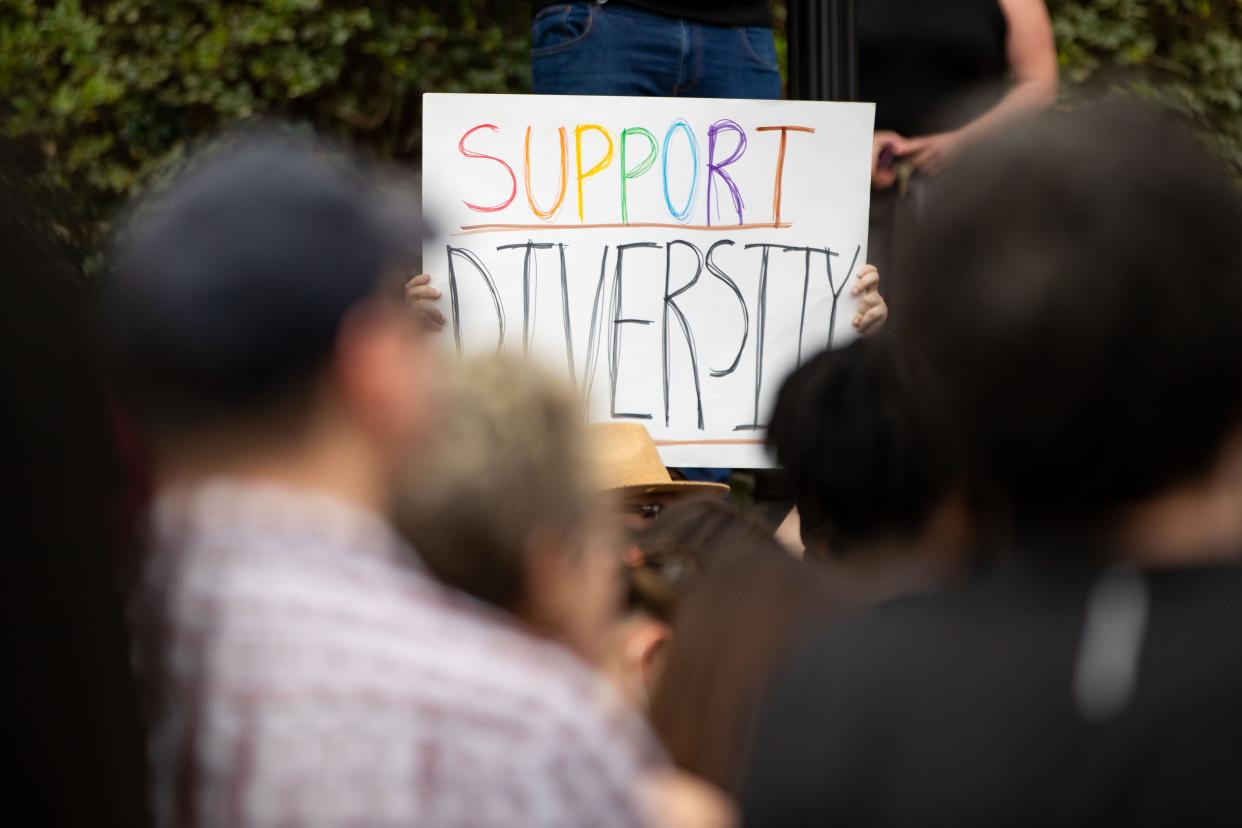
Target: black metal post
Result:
[823, 51]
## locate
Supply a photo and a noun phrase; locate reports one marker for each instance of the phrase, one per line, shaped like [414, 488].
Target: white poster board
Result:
[675, 257]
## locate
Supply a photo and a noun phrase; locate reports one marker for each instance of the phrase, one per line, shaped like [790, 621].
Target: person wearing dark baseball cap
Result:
[232, 289]
[252, 344]
[303, 666]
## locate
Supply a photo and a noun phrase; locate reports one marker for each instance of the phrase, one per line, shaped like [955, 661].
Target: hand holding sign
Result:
[421, 296]
[872, 309]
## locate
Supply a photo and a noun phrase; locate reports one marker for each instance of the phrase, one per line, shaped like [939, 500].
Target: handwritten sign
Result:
[676, 257]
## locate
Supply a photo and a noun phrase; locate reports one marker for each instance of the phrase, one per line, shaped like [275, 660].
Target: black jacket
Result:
[1037, 694]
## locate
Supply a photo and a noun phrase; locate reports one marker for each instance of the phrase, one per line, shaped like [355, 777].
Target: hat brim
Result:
[672, 487]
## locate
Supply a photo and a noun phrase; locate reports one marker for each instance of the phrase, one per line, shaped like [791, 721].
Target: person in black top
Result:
[942, 76]
[1080, 320]
[945, 74]
[694, 48]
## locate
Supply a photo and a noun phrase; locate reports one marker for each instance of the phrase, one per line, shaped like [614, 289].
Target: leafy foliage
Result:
[113, 92]
[1184, 54]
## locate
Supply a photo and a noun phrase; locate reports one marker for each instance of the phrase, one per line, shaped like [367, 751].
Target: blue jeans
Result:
[707, 475]
[614, 49]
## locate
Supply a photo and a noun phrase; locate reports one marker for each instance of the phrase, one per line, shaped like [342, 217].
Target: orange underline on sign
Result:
[789, 127]
[472, 229]
[709, 442]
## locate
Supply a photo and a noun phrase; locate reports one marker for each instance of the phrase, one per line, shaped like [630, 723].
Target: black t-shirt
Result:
[971, 707]
[930, 66]
[715, 12]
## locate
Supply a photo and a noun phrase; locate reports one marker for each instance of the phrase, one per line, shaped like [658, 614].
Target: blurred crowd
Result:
[356, 583]
[280, 561]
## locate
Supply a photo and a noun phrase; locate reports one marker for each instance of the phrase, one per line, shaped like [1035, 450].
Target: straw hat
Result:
[627, 461]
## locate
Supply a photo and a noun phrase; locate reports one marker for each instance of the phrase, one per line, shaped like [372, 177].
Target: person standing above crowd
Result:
[1081, 324]
[692, 48]
[942, 76]
[304, 667]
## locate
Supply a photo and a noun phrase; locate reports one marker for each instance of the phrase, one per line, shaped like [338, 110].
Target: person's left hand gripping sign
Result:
[872, 309]
[422, 296]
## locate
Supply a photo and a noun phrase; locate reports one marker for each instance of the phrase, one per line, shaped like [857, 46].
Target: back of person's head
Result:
[232, 286]
[503, 503]
[735, 600]
[1078, 304]
[862, 439]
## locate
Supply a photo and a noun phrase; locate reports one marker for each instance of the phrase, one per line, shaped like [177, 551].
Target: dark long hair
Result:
[740, 602]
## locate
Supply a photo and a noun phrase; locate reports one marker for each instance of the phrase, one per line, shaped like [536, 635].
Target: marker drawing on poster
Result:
[676, 258]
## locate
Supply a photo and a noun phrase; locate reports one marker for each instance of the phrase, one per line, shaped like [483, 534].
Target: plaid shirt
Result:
[306, 670]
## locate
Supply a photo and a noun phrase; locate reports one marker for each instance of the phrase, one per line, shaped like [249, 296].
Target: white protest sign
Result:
[675, 257]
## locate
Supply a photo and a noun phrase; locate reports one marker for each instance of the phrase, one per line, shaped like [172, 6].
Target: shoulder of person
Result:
[565, 691]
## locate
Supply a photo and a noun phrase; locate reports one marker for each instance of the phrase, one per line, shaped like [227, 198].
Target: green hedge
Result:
[111, 92]
[1185, 54]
